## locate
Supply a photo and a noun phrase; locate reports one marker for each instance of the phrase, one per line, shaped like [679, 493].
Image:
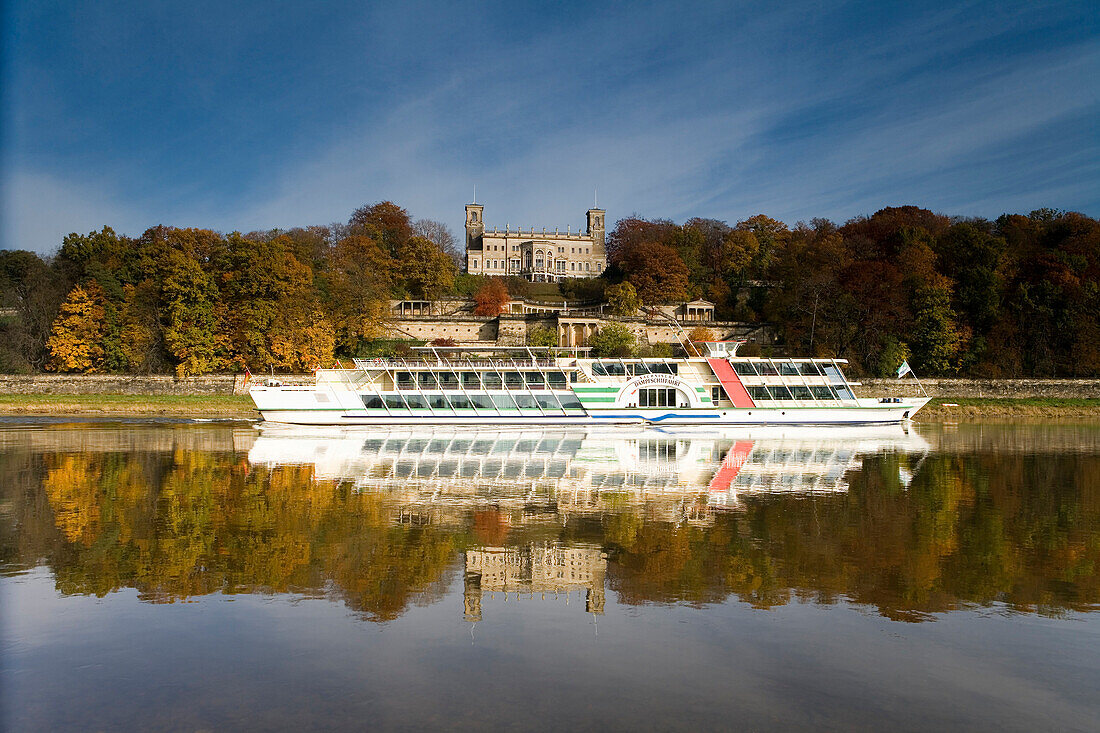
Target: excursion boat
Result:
[555, 386]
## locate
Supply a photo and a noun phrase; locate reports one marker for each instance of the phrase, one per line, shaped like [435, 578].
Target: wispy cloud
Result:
[796, 110]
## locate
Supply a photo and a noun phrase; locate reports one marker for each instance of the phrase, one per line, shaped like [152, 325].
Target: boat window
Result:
[759, 393]
[534, 379]
[438, 401]
[504, 403]
[638, 369]
[822, 392]
[526, 402]
[394, 402]
[491, 380]
[470, 380]
[663, 368]
[768, 369]
[788, 369]
[569, 401]
[615, 370]
[373, 402]
[449, 380]
[656, 398]
[513, 380]
[481, 401]
[809, 369]
[780, 392]
[801, 393]
[598, 369]
[547, 402]
[833, 373]
[744, 368]
[426, 380]
[460, 402]
[556, 379]
[405, 380]
[416, 402]
[844, 393]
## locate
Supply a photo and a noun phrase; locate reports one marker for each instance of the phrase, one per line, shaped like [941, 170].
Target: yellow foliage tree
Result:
[76, 339]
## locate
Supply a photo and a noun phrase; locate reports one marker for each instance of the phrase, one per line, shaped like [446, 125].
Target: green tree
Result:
[190, 327]
[542, 337]
[612, 339]
[935, 337]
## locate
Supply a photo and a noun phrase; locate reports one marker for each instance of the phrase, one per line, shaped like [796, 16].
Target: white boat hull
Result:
[862, 414]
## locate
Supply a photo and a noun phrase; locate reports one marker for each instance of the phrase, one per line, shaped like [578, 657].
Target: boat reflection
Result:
[578, 470]
[437, 477]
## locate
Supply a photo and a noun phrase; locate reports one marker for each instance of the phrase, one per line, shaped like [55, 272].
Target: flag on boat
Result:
[904, 369]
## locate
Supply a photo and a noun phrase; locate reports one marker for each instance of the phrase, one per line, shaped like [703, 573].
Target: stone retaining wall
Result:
[120, 384]
[1019, 388]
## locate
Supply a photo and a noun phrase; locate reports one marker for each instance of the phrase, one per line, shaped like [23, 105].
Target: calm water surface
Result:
[205, 577]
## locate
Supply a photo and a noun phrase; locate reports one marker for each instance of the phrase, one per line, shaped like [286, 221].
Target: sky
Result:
[253, 116]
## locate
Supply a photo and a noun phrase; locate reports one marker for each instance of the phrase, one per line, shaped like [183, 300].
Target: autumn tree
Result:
[189, 296]
[360, 281]
[622, 299]
[76, 340]
[386, 222]
[656, 273]
[491, 299]
[441, 236]
[427, 272]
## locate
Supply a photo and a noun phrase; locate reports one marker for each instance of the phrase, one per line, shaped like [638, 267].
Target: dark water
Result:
[187, 577]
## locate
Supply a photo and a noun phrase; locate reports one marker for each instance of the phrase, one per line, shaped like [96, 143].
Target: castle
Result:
[537, 256]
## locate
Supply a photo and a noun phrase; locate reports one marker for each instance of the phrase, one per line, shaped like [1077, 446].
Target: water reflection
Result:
[908, 523]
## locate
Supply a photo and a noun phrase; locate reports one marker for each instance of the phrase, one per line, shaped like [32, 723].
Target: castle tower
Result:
[596, 227]
[475, 226]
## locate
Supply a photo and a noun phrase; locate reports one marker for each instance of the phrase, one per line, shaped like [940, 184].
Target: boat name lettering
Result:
[649, 379]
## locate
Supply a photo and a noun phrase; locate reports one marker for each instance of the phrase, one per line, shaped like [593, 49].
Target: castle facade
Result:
[537, 256]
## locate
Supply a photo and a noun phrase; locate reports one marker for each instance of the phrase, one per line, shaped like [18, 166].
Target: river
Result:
[188, 576]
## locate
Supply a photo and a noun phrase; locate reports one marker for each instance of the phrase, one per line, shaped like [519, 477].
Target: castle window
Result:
[473, 264]
[587, 265]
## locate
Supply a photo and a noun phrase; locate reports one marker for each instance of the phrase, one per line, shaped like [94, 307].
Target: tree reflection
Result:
[970, 528]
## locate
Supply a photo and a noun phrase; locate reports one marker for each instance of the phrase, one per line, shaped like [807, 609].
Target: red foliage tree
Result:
[491, 299]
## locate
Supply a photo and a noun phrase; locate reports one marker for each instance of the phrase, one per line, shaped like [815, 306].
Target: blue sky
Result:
[261, 115]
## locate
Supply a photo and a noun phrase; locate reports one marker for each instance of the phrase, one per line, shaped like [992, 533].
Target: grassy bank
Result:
[947, 409]
[123, 405]
[940, 409]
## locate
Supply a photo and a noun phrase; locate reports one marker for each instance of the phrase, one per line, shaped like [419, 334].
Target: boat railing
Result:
[456, 363]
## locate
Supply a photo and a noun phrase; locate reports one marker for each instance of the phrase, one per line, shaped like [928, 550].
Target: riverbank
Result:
[221, 406]
[970, 409]
[240, 407]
